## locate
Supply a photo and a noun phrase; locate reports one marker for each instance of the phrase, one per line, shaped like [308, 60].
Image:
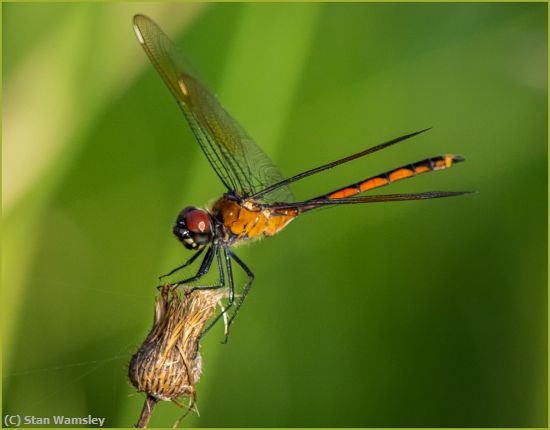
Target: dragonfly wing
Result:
[322, 202]
[240, 164]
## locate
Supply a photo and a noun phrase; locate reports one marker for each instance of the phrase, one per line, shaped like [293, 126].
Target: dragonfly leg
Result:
[227, 255]
[245, 290]
[203, 269]
[187, 263]
[221, 283]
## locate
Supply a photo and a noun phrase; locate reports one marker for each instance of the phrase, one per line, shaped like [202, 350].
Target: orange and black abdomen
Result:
[244, 220]
[407, 171]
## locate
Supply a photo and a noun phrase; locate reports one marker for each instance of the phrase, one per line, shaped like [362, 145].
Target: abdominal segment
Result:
[242, 222]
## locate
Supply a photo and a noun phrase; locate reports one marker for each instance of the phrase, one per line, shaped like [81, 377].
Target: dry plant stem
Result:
[146, 412]
[168, 364]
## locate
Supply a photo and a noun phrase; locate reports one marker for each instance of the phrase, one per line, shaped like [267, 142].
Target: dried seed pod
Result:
[168, 364]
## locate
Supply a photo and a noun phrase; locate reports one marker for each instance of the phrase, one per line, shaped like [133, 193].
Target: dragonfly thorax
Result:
[193, 227]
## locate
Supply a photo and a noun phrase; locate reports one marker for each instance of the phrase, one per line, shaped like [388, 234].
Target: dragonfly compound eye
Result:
[193, 227]
[198, 221]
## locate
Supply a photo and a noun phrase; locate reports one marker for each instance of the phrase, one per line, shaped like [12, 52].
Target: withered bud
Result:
[168, 364]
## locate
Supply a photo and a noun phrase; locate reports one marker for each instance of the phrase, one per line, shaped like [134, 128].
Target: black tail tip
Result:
[421, 131]
[463, 193]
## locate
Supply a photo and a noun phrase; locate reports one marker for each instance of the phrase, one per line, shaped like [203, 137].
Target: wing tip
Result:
[136, 23]
[138, 35]
[455, 193]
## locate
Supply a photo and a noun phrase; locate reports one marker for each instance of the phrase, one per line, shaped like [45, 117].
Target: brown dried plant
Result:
[168, 364]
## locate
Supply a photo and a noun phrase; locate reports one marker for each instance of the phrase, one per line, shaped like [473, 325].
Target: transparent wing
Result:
[322, 202]
[239, 163]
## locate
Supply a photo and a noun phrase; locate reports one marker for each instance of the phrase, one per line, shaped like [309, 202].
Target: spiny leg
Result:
[221, 283]
[187, 263]
[246, 287]
[203, 269]
[227, 255]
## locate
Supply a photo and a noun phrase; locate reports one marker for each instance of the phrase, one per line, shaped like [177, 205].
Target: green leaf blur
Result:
[412, 314]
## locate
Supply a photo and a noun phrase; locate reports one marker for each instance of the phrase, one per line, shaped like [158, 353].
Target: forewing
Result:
[240, 164]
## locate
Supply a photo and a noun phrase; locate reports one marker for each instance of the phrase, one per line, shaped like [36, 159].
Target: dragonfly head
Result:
[193, 227]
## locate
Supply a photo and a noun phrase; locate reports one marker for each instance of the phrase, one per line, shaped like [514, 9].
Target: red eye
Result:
[197, 221]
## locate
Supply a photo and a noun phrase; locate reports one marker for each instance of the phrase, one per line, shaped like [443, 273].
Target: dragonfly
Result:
[258, 202]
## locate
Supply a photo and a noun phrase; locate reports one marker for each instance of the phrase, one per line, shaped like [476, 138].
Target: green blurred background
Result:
[408, 314]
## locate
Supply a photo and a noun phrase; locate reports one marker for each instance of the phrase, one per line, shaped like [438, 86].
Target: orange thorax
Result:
[245, 220]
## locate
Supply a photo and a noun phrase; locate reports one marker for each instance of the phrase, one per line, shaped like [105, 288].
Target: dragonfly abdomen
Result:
[428, 165]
